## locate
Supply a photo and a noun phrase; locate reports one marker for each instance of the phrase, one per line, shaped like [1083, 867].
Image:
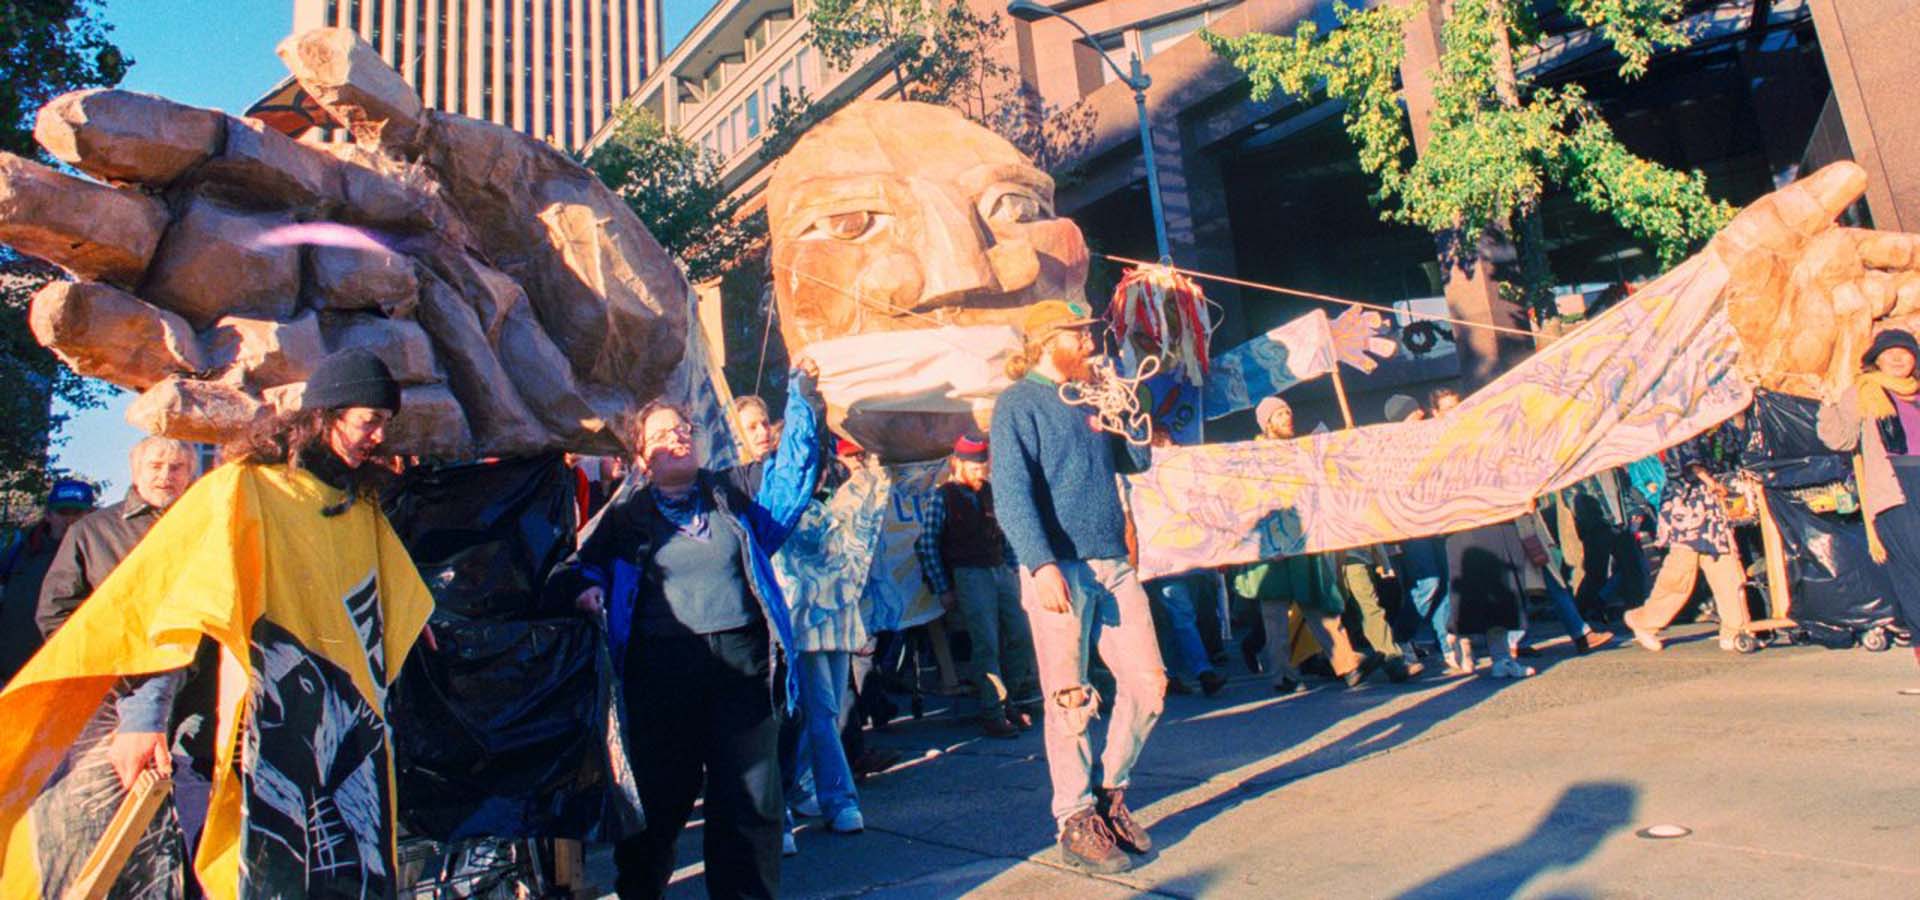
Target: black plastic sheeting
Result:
[1783, 447]
[1835, 584]
[511, 727]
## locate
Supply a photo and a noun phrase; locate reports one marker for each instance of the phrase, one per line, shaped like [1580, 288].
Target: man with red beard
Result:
[1057, 494]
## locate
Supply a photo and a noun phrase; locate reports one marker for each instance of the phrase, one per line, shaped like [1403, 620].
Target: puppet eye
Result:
[1014, 207]
[847, 226]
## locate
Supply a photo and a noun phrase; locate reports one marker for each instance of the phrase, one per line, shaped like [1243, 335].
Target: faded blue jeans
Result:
[1175, 596]
[824, 676]
[1564, 607]
[1423, 569]
[1110, 612]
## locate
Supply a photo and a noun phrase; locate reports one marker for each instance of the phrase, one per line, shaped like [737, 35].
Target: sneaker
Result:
[1128, 834]
[998, 727]
[1511, 668]
[1286, 686]
[807, 809]
[1594, 639]
[1177, 687]
[1644, 637]
[1019, 718]
[1211, 682]
[1727, 644]
[1086, 843]
[847, 821]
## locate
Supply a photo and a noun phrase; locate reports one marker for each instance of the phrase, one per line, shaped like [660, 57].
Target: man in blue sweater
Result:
[1058, 500]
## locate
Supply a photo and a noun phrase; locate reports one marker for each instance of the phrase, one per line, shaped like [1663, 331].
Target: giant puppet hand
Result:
[516, 298]
[1805, 294]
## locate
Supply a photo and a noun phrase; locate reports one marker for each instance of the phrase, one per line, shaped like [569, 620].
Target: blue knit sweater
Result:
[1054, 485]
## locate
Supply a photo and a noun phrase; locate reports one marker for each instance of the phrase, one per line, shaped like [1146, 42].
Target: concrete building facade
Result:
[555, 69]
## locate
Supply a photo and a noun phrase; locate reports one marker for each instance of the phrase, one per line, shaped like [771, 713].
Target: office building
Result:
[555, 69]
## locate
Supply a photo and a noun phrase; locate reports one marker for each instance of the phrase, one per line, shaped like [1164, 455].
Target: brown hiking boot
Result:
[1085, 843]
[1112, 804]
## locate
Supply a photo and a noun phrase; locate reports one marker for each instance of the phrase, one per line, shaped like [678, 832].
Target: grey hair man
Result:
[161, 469]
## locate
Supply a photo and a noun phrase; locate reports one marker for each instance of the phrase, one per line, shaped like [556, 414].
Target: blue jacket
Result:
[761, 502]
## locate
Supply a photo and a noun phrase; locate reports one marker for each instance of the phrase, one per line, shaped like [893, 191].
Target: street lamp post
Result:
[1135, 78]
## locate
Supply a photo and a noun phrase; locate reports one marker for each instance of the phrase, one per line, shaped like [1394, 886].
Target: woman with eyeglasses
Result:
[679, 565]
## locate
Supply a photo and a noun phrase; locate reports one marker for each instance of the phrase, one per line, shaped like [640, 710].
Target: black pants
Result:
[700, 712]
[1899, 529]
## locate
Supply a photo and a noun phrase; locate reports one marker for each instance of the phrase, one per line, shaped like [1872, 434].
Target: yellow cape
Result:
[314, 613]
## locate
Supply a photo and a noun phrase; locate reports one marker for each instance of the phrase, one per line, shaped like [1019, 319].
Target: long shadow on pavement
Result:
[962, 797]
[1585, 815]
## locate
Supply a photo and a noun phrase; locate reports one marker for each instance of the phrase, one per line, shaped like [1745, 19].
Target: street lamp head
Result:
[1028, 10]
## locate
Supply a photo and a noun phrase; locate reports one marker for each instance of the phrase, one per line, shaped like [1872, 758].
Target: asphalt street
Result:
[1794, 770]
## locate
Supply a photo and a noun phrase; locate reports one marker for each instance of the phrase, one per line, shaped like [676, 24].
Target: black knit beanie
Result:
[352, 378]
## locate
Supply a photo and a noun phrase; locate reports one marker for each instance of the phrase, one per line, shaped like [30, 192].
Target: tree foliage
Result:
[1496, 144]
[673, 185]
[47, 48]
[844, 30]
[940, 52]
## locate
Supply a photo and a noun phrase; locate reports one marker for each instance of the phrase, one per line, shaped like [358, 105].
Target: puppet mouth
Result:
[951, 369]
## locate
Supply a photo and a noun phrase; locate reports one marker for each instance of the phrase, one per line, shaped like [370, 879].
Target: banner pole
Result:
[1340, 393]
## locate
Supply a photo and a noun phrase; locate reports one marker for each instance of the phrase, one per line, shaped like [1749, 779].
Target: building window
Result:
[446, 53]
[353, 15]
[459, 35]
[1155, 38]
[488, 103]
[420, 38]
[606, 54]
[753, 116]
[379, 15]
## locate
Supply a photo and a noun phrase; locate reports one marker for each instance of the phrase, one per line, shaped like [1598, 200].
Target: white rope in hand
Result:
[1114, 399]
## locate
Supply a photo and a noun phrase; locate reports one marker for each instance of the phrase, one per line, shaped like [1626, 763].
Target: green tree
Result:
[843, 30]
[47, 48]
[788, 118]
[1496, 143]
[940, 52]
[674, 186]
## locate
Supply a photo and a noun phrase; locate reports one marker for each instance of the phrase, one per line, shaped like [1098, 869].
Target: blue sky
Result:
[216, 53]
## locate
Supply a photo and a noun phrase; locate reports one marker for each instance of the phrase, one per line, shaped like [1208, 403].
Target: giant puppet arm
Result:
[1782, 297]
[517, 299]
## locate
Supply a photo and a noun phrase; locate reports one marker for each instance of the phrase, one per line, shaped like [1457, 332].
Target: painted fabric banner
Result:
[822, 572]
[1643, 376]
[698, 385]
[882, 507]
[313, 616]
[1298, 351]
[1301, 350]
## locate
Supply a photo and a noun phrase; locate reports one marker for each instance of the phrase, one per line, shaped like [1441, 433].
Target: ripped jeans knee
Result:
[1078, 705]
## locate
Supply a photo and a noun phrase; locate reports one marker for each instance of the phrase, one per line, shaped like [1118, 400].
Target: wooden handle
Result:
[123, 834]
